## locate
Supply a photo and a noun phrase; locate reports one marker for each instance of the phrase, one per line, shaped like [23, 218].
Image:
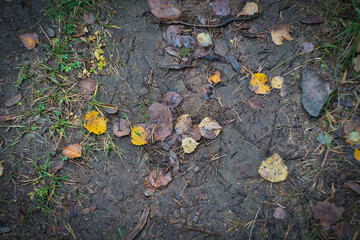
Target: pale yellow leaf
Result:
[189, 145]
[273, 169]
[277, 82]
[280, 33]
[250, 9]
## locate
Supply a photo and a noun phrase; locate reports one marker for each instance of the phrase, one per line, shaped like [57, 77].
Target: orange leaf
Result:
[29, 40]
[72, 151]
[95, 123]
[214, 79]
[257, 84]
[357, 154]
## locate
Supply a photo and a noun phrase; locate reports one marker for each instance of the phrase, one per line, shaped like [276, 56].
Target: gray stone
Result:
[315, 92]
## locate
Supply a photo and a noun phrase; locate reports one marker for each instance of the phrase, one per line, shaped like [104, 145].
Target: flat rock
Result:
[315, 92]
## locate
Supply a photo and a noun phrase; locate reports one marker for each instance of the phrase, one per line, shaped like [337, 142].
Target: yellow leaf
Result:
[357, 154]
[1, 169]
[273, 169]
[189, 145]
[204, 39]
[95, 123]
[277, 82]
[139, 136]
[209, 128]
[257, 84]
[280, 33]
[250, 9]
[72, 151]
[214, 79]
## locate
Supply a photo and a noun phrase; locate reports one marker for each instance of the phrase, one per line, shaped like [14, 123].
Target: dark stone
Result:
[315, 92]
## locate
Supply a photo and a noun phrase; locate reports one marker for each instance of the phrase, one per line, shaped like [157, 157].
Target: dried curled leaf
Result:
[95, 123]
[172, 99]
[209, 128]
[29, 40]
[273, 169]
[139, 136]
[121, 127]
[280, 33]
[277, 82]
[250, 9]
[189, 145]
[214, 79]
[258, 84]
[157, 179]
[72, 151]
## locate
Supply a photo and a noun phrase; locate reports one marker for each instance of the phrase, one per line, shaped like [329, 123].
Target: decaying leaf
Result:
[172, 99]
[194, 134]
[4, 118]
[312, 20]
[328, 213]
[49, 31]
[121, 127]
[157, 179]
[273, 169]
[160, 121]
[207, 91]
[277, 82]
[1, 169]
[189, 145]
[29, 40]
[183, 124]
[280, 33]
[139, 136]
[279, 213]
[352, 131]
[250, 9]
[258, 84]
[255, 104]
[72, 151]
[343, 230]
[214, 79]
[174, 162]
[165, 9]
[14, 100]
[174, 37]
[209, 128]
[88, 88]
[204, 39]
[89, 18]
[353, 186]
[221, 7]
[95, 123]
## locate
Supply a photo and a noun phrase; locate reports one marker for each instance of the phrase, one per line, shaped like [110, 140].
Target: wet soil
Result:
[218, 185]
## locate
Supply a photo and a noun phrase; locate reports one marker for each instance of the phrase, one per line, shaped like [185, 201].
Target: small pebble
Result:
[196, 169]
[148, 193]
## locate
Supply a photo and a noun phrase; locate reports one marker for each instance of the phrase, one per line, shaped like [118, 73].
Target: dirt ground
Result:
[217, 192]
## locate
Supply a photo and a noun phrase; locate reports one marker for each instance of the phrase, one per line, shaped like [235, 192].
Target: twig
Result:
[252, 227]
[140, 225]
[203, 230]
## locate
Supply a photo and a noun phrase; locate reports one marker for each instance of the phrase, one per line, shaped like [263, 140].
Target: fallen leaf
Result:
[353, 186]
[157, 179]
[88, 209]
[4, 118]
[49, 31]
[95, 123]
[189, 145]
[328, 213]
[165, 9]
[45, 127]
[312, 20]
[324, 139]
[280, 33]
[172, 99]
[88, 88]
[354, 136]
[174, 37]
[160, 121]
[277, 82]
[183, 124]
[255, 104]
[72, 151]
[60, 164]
[357, 154]
[214, 79]
[89, 18]
[221, 7]
[194, 134]
[351, 131]
[250, 9]
[273, 169]
[356, 63]
[14, 100]
[204, 39]
[174, 162]
[308, 47]
[207, 91]
[29, 40]
[279, 213]
[139, 136]
[209, 128]
[121, 127]
[258, 84]
[1, 169]
[343, 230]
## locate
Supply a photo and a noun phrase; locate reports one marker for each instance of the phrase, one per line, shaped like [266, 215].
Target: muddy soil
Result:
[217, 191]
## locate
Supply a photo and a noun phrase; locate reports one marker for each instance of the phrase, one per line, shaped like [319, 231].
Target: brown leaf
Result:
[160, 121]
[72, 151]
[59, 165]
[279, 213]
[172, 99]
[183, 124]
[14, 100]
[255, 104]
[353, 186]
[174, 162]
[87, 210]
[49, 31]
[4, 118]
[221, 7]
[157, 179]
[209, 128]
[328, 213]
[207, 91]
[121, 128]
[89, 18]
[312, 20]
[88, 88]
[343, 230]
[29, 40]
[165, 9]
